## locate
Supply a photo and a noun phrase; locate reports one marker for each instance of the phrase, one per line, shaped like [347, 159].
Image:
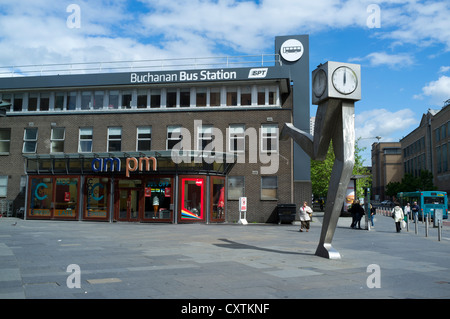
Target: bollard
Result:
[426, 227]
[439, 230]
[415, 222]
[407, 223]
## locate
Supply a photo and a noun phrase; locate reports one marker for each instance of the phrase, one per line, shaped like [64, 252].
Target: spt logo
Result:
[257, 73]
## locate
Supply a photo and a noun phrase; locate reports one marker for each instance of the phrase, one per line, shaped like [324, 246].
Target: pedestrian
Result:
[415, 211]
[373, 212]
[397, 214]
[357, 213]
[407, 210]
[305, 216]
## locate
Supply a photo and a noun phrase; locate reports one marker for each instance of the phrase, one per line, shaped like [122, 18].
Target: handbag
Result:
[403, 224]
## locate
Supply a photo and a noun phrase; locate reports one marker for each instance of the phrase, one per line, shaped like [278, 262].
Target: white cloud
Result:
[382, 122]
[391, 60]
[438, 91]
[444, 69]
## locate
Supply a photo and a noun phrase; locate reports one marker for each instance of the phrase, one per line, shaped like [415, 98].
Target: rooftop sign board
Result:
[147, 77]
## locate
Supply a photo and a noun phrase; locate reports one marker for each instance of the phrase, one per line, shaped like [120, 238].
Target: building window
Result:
[269, 186]
[3, 186]
[57, 139]
[231, 96]
[185, 98]
[236, 187]
[173, 136]
[72, 101]
[237, 138]
[30, 140]
[246, 96]
[86, 100]
[113, 100]
[98, 100]
[214, 97]
[5, 140]
[144, 138]
[114, 139]
[269, 138]
[200, 97]
[142, 99]
[437, 134]
[33, 102]
[18, 102]
[85, 140]
[155, 98]
[171, 98]
[126, 99]
[59, 101]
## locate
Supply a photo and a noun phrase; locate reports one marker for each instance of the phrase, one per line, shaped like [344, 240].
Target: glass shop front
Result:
[172, 193]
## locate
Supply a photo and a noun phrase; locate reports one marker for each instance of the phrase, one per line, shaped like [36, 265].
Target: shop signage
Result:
[132, 164]
[181, 76]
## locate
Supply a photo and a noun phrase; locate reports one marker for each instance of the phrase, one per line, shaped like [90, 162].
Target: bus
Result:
[428, 201]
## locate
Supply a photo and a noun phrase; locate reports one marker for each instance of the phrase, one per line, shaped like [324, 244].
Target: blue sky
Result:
[405, 61]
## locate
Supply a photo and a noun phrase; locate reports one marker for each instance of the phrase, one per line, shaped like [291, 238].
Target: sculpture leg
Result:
[343, 137]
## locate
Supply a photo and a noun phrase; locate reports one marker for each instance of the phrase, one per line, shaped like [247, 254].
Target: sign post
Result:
[243, 210]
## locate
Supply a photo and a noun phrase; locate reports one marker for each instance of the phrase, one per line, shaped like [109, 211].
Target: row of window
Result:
[236, 136]
[269, 187]
[236, 187]
[416, 147]
[255, 95]
[442, 132]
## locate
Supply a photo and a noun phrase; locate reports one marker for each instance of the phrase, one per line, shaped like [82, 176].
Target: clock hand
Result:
[345, 76]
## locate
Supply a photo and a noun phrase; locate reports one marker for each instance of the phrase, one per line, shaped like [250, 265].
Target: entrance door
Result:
[129, 204]
[192, 199]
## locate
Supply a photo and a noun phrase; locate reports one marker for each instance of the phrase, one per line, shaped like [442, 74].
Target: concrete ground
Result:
[226, 261]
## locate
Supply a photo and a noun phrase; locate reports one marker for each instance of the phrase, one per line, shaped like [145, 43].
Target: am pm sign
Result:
[242, 204]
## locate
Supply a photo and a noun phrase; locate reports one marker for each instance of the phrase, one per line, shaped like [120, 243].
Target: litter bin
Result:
[286, 213]
[438, 215]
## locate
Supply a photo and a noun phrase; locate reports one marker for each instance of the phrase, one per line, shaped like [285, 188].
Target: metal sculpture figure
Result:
[334, 121]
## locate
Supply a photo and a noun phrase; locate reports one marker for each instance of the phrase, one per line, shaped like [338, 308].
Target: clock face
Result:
[344, 80]
[319, 83]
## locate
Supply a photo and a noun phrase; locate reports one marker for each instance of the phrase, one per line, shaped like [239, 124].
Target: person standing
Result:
[397, 214]
[415, 211]
[305, 218]
[407, 210]
[373, 211]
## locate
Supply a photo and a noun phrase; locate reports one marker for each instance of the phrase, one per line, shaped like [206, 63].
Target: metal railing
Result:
[146, 65]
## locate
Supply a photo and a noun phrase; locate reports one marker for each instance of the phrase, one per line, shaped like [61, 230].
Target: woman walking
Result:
[305, 217]
[397, 214]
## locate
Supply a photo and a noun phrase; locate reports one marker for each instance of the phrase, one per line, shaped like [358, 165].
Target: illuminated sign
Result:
[132, 164]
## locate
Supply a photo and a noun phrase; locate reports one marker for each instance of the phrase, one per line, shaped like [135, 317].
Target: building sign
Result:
[292, 50]
[182, 76]
[132, 164]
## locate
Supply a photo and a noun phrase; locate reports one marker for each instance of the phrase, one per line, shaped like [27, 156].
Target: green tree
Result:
[321, 173]
[410, 183]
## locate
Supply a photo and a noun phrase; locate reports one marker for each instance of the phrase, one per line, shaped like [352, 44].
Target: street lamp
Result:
[3, 107]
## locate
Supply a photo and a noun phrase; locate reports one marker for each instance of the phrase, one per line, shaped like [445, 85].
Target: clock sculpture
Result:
[335, 88]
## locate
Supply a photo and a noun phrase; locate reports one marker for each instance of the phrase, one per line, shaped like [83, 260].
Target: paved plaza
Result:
[227, 261]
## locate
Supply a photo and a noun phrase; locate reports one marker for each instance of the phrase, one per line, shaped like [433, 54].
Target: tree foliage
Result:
[321, 173]
[409, 183]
